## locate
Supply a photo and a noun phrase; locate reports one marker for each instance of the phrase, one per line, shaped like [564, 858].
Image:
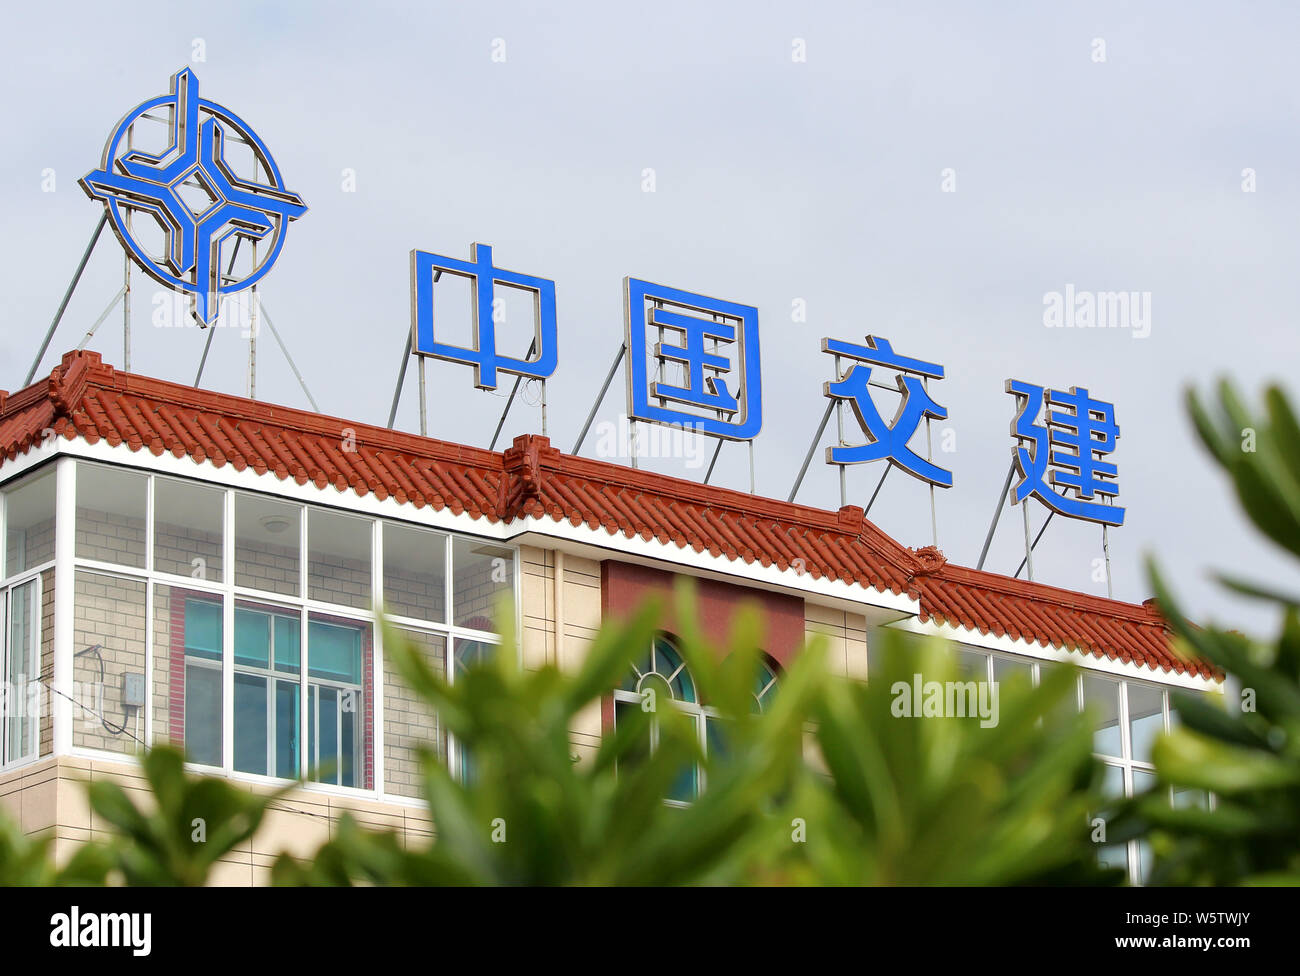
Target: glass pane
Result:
[327, 722]
[22, 690]
[1112, 781]
[408, 721]
[471, 654]
[1011, 669]
[267, 544]
[1146, 718]
[338, 559]
[481, 573]
[335, 651]
[339, 661]
[187, 531]
[415, 572]
[1191, 798]
[1069, 704]
[110, 514]
[202, 625]
[203, 715]
[973, 664]
[687, 784]
[286, 729]
[1143, 781]
[640, 750]
[108, 662]
[252, 637]
[287, 630]
[250, 723]
[29, 519]
[186, 680]
[1101, 696]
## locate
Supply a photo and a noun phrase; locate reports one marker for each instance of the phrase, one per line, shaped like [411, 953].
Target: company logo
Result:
[191, 193]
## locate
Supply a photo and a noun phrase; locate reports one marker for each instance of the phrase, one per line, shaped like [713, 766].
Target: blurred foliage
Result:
[1245, 749]
[946, 800]
[174, 837]
[895, 799]
[825, 785]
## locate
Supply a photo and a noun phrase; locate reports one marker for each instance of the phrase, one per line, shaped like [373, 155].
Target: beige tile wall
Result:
[846, 637]
[580, 596]
[50, 796]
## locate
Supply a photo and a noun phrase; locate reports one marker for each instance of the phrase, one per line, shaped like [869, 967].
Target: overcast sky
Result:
[1096, 145]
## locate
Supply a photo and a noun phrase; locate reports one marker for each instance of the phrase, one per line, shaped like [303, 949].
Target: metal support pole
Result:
[90, 334]
[207, 345]
[67, 296]
[401, 379]
[1105, 548]
[929, 456]
[252, 339]
[424, 402]
[716, 451]
[511, 400]
[1034, 546]
[543, 382]
[126, 312]
[997, 514]
[204, 360]
[1029, 548]
[292, 365]
[753, 484]
[631, 440]
[126, 278]
[879, 484]
[812, 449]
[604, 388]
[839, 426]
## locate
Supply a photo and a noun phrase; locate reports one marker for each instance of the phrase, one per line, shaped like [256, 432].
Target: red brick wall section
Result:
[625, 586]
[176, 672]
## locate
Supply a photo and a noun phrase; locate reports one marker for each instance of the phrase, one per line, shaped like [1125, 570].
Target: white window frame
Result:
[229, 593]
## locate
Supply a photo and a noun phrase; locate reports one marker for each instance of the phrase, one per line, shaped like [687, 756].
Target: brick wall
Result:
[408, 722]
[176, 547]
[30, 547]
[109, 611]
[47, 662]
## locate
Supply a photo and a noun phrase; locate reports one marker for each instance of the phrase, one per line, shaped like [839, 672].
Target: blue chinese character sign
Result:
[1065, 451]
[191, 192]
[714, 344]
[426, 268]
[887, 441]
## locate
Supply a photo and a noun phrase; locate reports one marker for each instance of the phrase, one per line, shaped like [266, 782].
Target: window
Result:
[111, 504]
[249, 645]
[469, 654]
[663, 674]
[268, 538]
[20, 701]
[198, 718]
[29, 524]
[187, 529]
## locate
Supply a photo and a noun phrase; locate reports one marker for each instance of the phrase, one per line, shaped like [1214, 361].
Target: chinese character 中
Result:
[704, 349]
[1070, 444]
[427, 268]
[887, 441]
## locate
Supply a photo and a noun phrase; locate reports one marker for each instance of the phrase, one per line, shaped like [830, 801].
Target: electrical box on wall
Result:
[133, 690]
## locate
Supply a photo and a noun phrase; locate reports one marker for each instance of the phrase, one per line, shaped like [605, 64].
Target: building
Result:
[190, 567]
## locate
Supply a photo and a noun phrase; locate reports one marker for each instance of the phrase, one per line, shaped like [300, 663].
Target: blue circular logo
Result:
[190, 199]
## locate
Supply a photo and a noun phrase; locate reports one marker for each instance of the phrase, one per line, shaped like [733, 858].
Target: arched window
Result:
[765, 683]
[663, 673]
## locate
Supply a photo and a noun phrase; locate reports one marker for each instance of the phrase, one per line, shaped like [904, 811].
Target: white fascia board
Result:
[1032, 649]
[878, 606]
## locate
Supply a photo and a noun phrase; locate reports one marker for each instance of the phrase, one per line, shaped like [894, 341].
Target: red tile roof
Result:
[84, 397]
